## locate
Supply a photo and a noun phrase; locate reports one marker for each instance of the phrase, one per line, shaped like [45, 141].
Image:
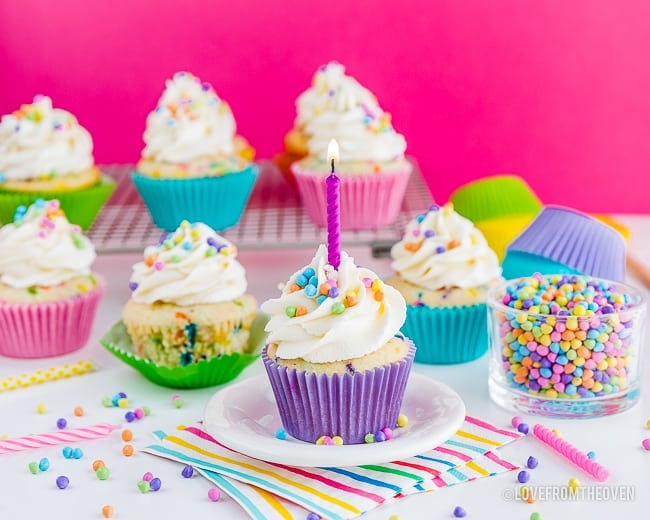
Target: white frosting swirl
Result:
[443, 249]
[190, 121]
[337, 106]
[40, 141]
[41, 248]
[322, 334]
[193, 265]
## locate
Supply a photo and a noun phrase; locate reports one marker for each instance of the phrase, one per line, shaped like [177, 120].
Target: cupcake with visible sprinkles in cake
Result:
[45, 153]
[48, 293]
[373, 170]
[444, 271]
[337, 364]
[194, 166]
[188, 300]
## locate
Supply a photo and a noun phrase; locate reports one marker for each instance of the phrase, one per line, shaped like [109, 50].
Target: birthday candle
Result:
[30, 442]
[333, 208]
[45, 375]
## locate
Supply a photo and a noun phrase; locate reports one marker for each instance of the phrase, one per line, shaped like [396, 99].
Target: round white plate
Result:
[244, 417]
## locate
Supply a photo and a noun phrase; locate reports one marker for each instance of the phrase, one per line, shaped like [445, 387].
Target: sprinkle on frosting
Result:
[189, 122]
[338, 105]
[38, 141]
[442, 249]
[327, 315]
[192, 265]
[41, 248]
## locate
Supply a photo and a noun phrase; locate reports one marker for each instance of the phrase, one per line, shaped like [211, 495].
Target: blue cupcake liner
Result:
[517, 264]
[216, 201]
[447, 335]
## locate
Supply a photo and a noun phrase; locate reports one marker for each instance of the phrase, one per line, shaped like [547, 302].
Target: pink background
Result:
[557, 91]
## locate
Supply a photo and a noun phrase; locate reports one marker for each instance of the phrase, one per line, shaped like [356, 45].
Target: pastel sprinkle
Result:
[523, 428]
[214, 494]
[102, 473]
[78, 411]
[61, 423]
[127, 435]
[108, 511]
[44, 464]
[98, 464]
[459, 512]
[40, 408]
[591, 454]
[532, 462]
[187, 471]
[155, 484]
[62, 482]
[402, 421]
[127, 450]
[144, 486]
[281, 434]
[33, 468]
[369, 438]
[646, 444]
[516, 421]
[523, 477]
[148, 476]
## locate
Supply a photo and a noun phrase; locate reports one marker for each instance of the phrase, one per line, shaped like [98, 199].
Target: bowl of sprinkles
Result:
[565, 345]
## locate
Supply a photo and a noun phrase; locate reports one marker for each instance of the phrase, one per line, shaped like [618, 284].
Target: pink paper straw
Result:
[30, 442]
[571, 453]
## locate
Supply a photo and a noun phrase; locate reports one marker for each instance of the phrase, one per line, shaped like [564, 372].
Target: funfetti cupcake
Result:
[189, 302]
[46, 153]
[337, 363]
[373, 170]
[48, 293]
[194, 166]
[444, 270]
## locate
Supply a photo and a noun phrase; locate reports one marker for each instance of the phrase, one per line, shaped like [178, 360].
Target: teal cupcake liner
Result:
[206, 373]
[447, 335]
[216, 201]
[81, 206]
[519, 263]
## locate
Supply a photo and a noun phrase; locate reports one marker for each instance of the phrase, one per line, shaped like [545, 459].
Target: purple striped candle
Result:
[333, 184]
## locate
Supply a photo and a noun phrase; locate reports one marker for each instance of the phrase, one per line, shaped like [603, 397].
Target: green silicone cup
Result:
[492, 197]
[81, 206]
[206, 373]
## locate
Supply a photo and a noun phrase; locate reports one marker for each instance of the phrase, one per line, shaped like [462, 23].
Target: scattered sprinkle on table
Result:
[108, 511]
[62, 482]
[459, 512]
[187, 471]
[214, 494]
[532, 462]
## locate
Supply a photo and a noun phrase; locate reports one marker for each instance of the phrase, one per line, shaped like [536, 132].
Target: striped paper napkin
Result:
[273, 491]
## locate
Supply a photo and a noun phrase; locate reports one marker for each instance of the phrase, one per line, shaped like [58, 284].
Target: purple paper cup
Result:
[564, 240]
[348, 405]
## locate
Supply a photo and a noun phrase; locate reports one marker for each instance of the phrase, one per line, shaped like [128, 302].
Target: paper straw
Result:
[571, 453]
[31, 442]
[45, 375]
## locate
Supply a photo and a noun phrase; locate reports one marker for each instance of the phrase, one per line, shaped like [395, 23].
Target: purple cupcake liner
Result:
[348, 405]
[576, 240]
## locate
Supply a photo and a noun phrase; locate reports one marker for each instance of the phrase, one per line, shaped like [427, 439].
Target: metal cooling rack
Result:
[273, 218]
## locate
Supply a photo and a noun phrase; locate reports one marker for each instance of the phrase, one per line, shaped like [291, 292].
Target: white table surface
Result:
[616, 439]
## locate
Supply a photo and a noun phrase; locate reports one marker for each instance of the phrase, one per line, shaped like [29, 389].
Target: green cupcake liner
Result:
[216, 201]
[212, 372]
[81, 206]
[447, 335]
[492, 197]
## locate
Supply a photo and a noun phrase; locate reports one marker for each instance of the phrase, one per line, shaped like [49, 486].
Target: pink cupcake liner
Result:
[367, 201]
[49, 329]
[348, 405]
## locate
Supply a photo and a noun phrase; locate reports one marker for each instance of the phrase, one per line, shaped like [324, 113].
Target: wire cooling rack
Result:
[274, 217]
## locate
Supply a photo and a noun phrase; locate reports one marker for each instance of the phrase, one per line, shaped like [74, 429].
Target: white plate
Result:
[244, 417]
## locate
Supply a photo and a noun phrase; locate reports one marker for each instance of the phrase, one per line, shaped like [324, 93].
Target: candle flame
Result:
[333, 151]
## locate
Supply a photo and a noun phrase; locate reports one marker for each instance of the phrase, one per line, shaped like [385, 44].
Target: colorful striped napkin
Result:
[263, 488]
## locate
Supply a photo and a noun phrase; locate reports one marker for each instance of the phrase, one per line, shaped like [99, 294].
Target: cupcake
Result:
[188, 300]
[373, 170]
[45, 153]
[48, 294]
[193, 165]
[444, 271]
[337, 364]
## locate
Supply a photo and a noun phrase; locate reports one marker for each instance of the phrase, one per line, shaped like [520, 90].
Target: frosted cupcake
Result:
[194, 166]
[45, 153]
[444, 271]
[373, 170]
[48, 294]
[335, 358]
[188, 300]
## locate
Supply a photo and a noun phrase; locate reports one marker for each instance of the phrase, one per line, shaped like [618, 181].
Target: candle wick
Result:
[333, 165]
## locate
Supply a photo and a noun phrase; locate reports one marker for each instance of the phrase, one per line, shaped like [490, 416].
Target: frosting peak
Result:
[326, 315]
[190, 121]
[442, 249]
[193, 265]
[39, 141]
[337, 105]
[41, 248]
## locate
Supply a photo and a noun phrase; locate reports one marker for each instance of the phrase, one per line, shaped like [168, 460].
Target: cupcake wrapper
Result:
[499, 232]
[351, 406]
[206, 373]
[367, 201]
[576, 240]
[517, 264]
[447, 335]
[81, 206]
[493, 197]
[216, 201]
[43, 330]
